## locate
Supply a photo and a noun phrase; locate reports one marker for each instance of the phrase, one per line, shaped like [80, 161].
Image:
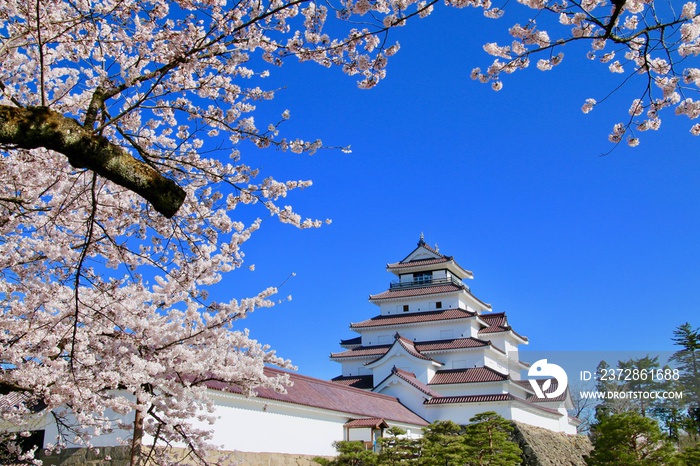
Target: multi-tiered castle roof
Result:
[442, 351]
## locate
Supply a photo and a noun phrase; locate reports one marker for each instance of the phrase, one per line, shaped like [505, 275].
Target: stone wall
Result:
[106, 456]
[119, 456]
[542, 447]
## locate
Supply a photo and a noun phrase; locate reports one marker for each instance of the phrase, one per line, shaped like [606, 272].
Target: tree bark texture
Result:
[34, 127]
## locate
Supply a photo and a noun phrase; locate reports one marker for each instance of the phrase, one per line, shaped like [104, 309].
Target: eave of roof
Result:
[421, 347]
[414, 318]
[402, 293]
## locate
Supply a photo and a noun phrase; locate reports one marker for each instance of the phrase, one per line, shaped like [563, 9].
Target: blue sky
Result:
[584, 252]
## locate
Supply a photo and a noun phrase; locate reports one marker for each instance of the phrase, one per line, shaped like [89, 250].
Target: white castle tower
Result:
[442, 352]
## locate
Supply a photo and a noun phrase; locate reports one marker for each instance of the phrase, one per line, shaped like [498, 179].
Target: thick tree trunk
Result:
[33, 127]
[136, 439]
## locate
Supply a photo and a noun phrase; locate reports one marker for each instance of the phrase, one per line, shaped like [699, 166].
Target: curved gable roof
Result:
[409, 378]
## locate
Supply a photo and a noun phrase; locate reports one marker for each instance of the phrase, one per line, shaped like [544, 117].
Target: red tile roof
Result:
[322, 394]
[471, 375]
[413, 318]
[374, 423]
[417, 291]
[497, 323]
[415, 263]
[420, 347]
[456, 343]
[410, 346]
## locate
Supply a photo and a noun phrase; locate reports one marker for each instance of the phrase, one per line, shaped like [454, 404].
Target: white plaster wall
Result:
[489, 388]
[401, 361]
[260, 425]
[360, 435]
[536, 419]
[424, 332]
[356, 367]
[461, 413]
[116, 437]
[448, 300]
[408, 396]
[462, 359]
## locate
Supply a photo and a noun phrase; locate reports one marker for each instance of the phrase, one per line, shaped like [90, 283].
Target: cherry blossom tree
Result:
[124, 126]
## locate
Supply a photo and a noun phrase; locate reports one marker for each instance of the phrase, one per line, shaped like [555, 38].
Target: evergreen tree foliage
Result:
[641, 384]
[443, 445]
[687, 360]
[629, 439]
[489, 441]
[608, 406]
[689, 456]
[350, 454]
[397, 448]
[688, 357]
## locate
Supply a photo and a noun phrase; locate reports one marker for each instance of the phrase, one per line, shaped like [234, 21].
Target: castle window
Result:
[438, 304]
[405, 308]
[422, 277]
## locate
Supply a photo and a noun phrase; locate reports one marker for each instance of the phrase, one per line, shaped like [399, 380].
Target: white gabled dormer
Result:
[404, 355]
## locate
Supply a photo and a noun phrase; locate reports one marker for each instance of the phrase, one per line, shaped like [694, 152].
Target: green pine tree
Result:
[629, 439]
[690, 456]
[442, 445]
[489, 441]
[396, 448]
[350, 454]
[687, 361]
[641, 384]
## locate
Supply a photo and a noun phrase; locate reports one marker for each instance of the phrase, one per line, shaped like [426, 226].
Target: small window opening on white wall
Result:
[405, 308]
[438, 304]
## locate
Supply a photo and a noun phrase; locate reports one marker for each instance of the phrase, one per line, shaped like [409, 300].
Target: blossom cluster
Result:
[649, 47]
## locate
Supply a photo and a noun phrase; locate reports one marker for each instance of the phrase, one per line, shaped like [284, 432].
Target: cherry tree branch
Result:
[34, 127]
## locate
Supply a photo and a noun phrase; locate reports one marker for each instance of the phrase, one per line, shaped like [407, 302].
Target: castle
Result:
[442, 351]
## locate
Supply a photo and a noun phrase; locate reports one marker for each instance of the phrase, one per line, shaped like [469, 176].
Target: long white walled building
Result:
[441, 350]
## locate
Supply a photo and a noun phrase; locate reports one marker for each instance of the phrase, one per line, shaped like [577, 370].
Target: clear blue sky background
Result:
[584, 252]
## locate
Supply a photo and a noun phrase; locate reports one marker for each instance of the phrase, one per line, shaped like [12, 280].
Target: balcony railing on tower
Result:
[426, 281]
